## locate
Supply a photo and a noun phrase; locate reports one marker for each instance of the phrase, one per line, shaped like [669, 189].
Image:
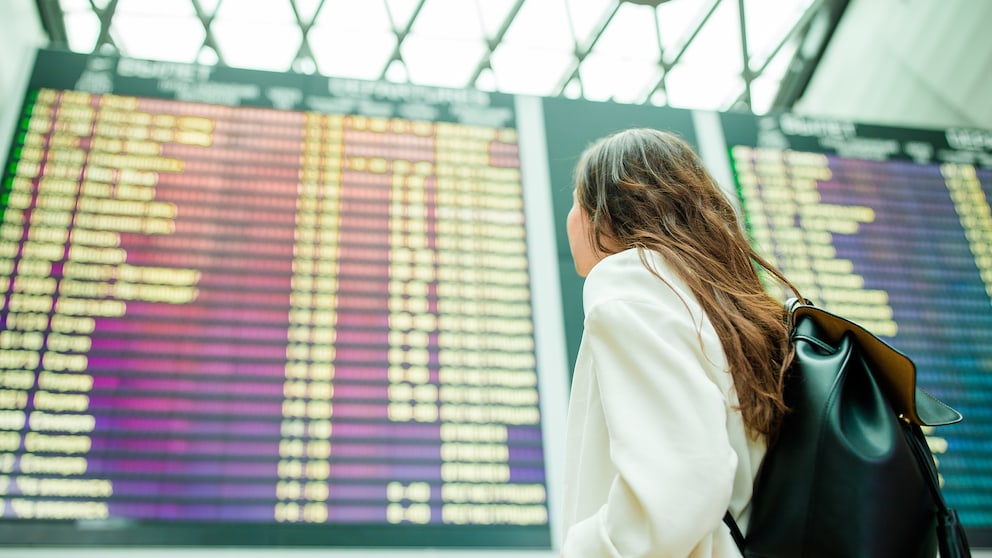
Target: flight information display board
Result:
[892, 228]
[254, 311]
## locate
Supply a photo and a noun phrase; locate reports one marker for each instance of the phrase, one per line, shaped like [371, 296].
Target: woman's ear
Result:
[607, 241]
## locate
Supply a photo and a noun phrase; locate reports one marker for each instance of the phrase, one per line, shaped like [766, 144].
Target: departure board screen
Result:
[243, 311]
[892, 228]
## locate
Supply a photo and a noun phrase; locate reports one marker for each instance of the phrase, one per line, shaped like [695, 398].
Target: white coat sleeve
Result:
[667, 424]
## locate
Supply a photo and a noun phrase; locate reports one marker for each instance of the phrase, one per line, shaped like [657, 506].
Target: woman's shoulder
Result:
[623, 277]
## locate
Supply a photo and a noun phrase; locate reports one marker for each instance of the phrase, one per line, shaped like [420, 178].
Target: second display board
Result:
[892, 228]
[889, 226]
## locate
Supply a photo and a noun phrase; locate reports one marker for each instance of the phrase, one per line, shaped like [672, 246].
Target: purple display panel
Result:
[243, 314]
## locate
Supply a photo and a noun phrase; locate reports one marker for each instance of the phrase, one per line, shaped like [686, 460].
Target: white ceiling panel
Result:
[240, 44]
[355, 54]
[272, 11]
[529, 71]
[449, 19]
[138, 33]
[587, 16]
[347, 16]
[541, 24]
[442, 61]
[905, 61]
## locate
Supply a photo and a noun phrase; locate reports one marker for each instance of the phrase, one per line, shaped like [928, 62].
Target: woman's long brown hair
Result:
[647, 189]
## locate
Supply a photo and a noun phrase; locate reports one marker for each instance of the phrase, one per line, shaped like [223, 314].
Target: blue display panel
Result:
[892, 228]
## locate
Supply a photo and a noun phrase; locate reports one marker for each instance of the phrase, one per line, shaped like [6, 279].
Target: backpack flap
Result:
[896, 372]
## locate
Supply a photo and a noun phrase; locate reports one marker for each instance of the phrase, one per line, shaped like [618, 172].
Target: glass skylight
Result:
[684, 52]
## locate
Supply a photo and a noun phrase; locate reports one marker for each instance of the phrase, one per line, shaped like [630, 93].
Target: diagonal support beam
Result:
[745, 57]
[666, 66]
[401, 35]
[808, 56]
[493, 42]
[106, 16]
[53, 22]
[798, 31]
[209, 40]
[305, 52]
[581, 52]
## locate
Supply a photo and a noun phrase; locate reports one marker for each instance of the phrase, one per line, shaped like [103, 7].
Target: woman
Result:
[678, 381]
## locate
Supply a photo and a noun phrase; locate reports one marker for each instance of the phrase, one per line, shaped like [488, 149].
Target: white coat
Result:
[655, 451]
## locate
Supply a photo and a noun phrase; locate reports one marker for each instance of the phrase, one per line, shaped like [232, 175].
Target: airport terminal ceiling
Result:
[500, 51]
[683, 53]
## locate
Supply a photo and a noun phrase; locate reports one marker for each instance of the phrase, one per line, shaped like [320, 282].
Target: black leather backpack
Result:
[850, 474]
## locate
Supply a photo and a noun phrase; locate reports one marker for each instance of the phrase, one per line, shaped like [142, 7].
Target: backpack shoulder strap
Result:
[735, 531]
